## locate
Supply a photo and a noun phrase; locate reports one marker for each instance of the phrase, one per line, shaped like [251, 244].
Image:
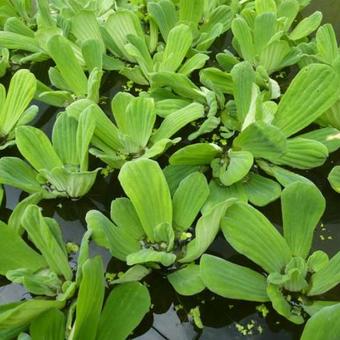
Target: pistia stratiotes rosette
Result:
[46, 274]
[57, 169]
[266, 136]
[293, 277]
[153, 228]
[134, 134]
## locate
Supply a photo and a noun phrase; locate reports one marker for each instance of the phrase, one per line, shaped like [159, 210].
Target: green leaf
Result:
[90, 300]
[188, 200]
[326, 44]
[67, 64]
[144, 183]
[252, 235]
[48, 326]
[37, 148]
[306, 26]
[195, 154]
[232, 281]
[303, 154]
[177, 120]
[288, 10]
[187, 281]
[323, 325]
[191, 11]
[20, 93]
[15, 317]
[93, 55]
[326, 278]
[328, 136]
[124, 309]
[196, 62]
[164, 14]
[41, 232]
[206, 230]
[135, 273]
[261, 190]
[243, 79]
[177, 46]
[265, 6]
[119, 240]
[217, 80]
[150, 255]
[15, 253]
[17, 173]
[333, 178]
[312, 92]
[262, 140]
[302, 207]
[240, 163]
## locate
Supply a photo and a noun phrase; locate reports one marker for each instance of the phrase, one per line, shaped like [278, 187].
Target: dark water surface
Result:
[222, 318]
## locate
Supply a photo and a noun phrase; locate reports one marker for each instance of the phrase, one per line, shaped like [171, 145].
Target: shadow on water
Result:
[223, 319]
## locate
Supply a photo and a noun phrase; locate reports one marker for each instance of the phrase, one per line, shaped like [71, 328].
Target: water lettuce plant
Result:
[293, 277]
[57, 169]
[151, 227]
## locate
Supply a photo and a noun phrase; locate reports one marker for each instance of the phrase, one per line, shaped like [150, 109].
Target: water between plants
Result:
[222, 318]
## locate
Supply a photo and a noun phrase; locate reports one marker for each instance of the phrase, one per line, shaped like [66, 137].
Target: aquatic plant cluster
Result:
[199, 138]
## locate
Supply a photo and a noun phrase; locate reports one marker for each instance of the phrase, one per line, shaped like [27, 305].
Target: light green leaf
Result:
[37, 148]
[90, 300]
[187, 281]
[306, 26]
[231, 280]
[262, 140]
[264, 30]
[326, 44]
[191, 11]
[48, 326]
[178, 43]
[118, 240]
[196, 62]
[195, 154]
[206, 230]
[44, 238]
[20, 93]
[323, 325]
[303, 154]
[302, 207]
[135, 273]
[124, 309]
[312, 92]
[217, 80]
[15, 253]
[252, 235]
[188, 200]
[328, 136]
[151, 255]
[67, 64]
[333, 178]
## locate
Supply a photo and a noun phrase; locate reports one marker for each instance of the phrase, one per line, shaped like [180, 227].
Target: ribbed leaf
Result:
[43, 237]
[252, 235]
[240, 163]
[195, 154]
[323, 325]
[326, 278]
[262, 140]
[303, 154]
[164, 14]
[15, 253]
[206, 230]
[48, 326]
[14, 41]
[188, 200]
[191, 11]
[187, 281]
[178, 43]
[261, 190]
[306, 26]
[17, 173]
[177, 120]
[144, 183]
[150, 255]
[120, 240]
[288, 10]
[90, 300]
[333, 178]
[217, 80]
[327, 44]
[302, 207]
[328, 136]
[196, 62]
[20, 93]
[264, 29]
[67, 63]
[124, 309]
[312, 92]
[231, 280]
